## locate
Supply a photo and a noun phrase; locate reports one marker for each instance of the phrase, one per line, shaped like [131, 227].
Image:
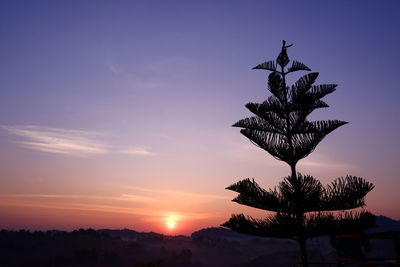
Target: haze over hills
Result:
[206, 247]
[383, 224]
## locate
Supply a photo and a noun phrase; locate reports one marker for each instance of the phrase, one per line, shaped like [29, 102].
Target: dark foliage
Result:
[303, 207]
[280, 126]
[302, 194]
[87, 248]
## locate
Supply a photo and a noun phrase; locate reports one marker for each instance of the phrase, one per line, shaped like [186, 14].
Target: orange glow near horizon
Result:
[49, 212]
[70, 212]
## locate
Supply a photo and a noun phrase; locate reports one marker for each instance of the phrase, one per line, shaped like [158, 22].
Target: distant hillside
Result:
[126, 234]
[385, 224]
[207, 247]
[219, 232]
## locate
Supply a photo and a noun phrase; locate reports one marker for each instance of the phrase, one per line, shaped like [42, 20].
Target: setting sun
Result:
[171, 222]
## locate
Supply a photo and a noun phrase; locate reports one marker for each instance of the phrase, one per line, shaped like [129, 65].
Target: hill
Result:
[206, 247]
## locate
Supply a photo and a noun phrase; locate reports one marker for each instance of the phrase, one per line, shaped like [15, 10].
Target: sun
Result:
[171, 222]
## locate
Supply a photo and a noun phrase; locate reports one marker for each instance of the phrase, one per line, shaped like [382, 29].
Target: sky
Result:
[118, 114]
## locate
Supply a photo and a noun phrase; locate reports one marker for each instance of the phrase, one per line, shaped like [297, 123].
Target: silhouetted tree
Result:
[303, 206]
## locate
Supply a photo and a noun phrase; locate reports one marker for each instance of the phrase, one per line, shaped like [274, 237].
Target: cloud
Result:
[122, 197]
[85, 203]
[190, 195]
[132, 197]
[168, 64]
[114, 68]
[322, 161]
[138, 151]
[68, 141]
[152, 75]
[57, 140]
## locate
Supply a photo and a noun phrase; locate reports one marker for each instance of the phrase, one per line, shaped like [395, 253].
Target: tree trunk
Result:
[303, 251]
[293, 169]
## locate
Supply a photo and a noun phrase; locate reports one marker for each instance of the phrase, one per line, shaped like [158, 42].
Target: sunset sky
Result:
[118, 114]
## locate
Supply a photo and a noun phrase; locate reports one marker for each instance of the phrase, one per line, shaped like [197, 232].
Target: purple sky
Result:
[128, 105]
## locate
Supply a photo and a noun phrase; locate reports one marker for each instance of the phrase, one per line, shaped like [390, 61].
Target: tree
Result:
[302, 206]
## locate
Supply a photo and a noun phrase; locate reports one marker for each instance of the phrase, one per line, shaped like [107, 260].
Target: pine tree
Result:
[302, 206]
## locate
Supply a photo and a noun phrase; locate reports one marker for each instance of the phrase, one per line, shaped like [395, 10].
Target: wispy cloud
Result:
[152, 75]
[139, 151]
[168, 64]
[68, 141]
[85, 203]
[324, 162]
[57, 140]
[139, 198]
[190, 195]
[122, 197]
[114, 68]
